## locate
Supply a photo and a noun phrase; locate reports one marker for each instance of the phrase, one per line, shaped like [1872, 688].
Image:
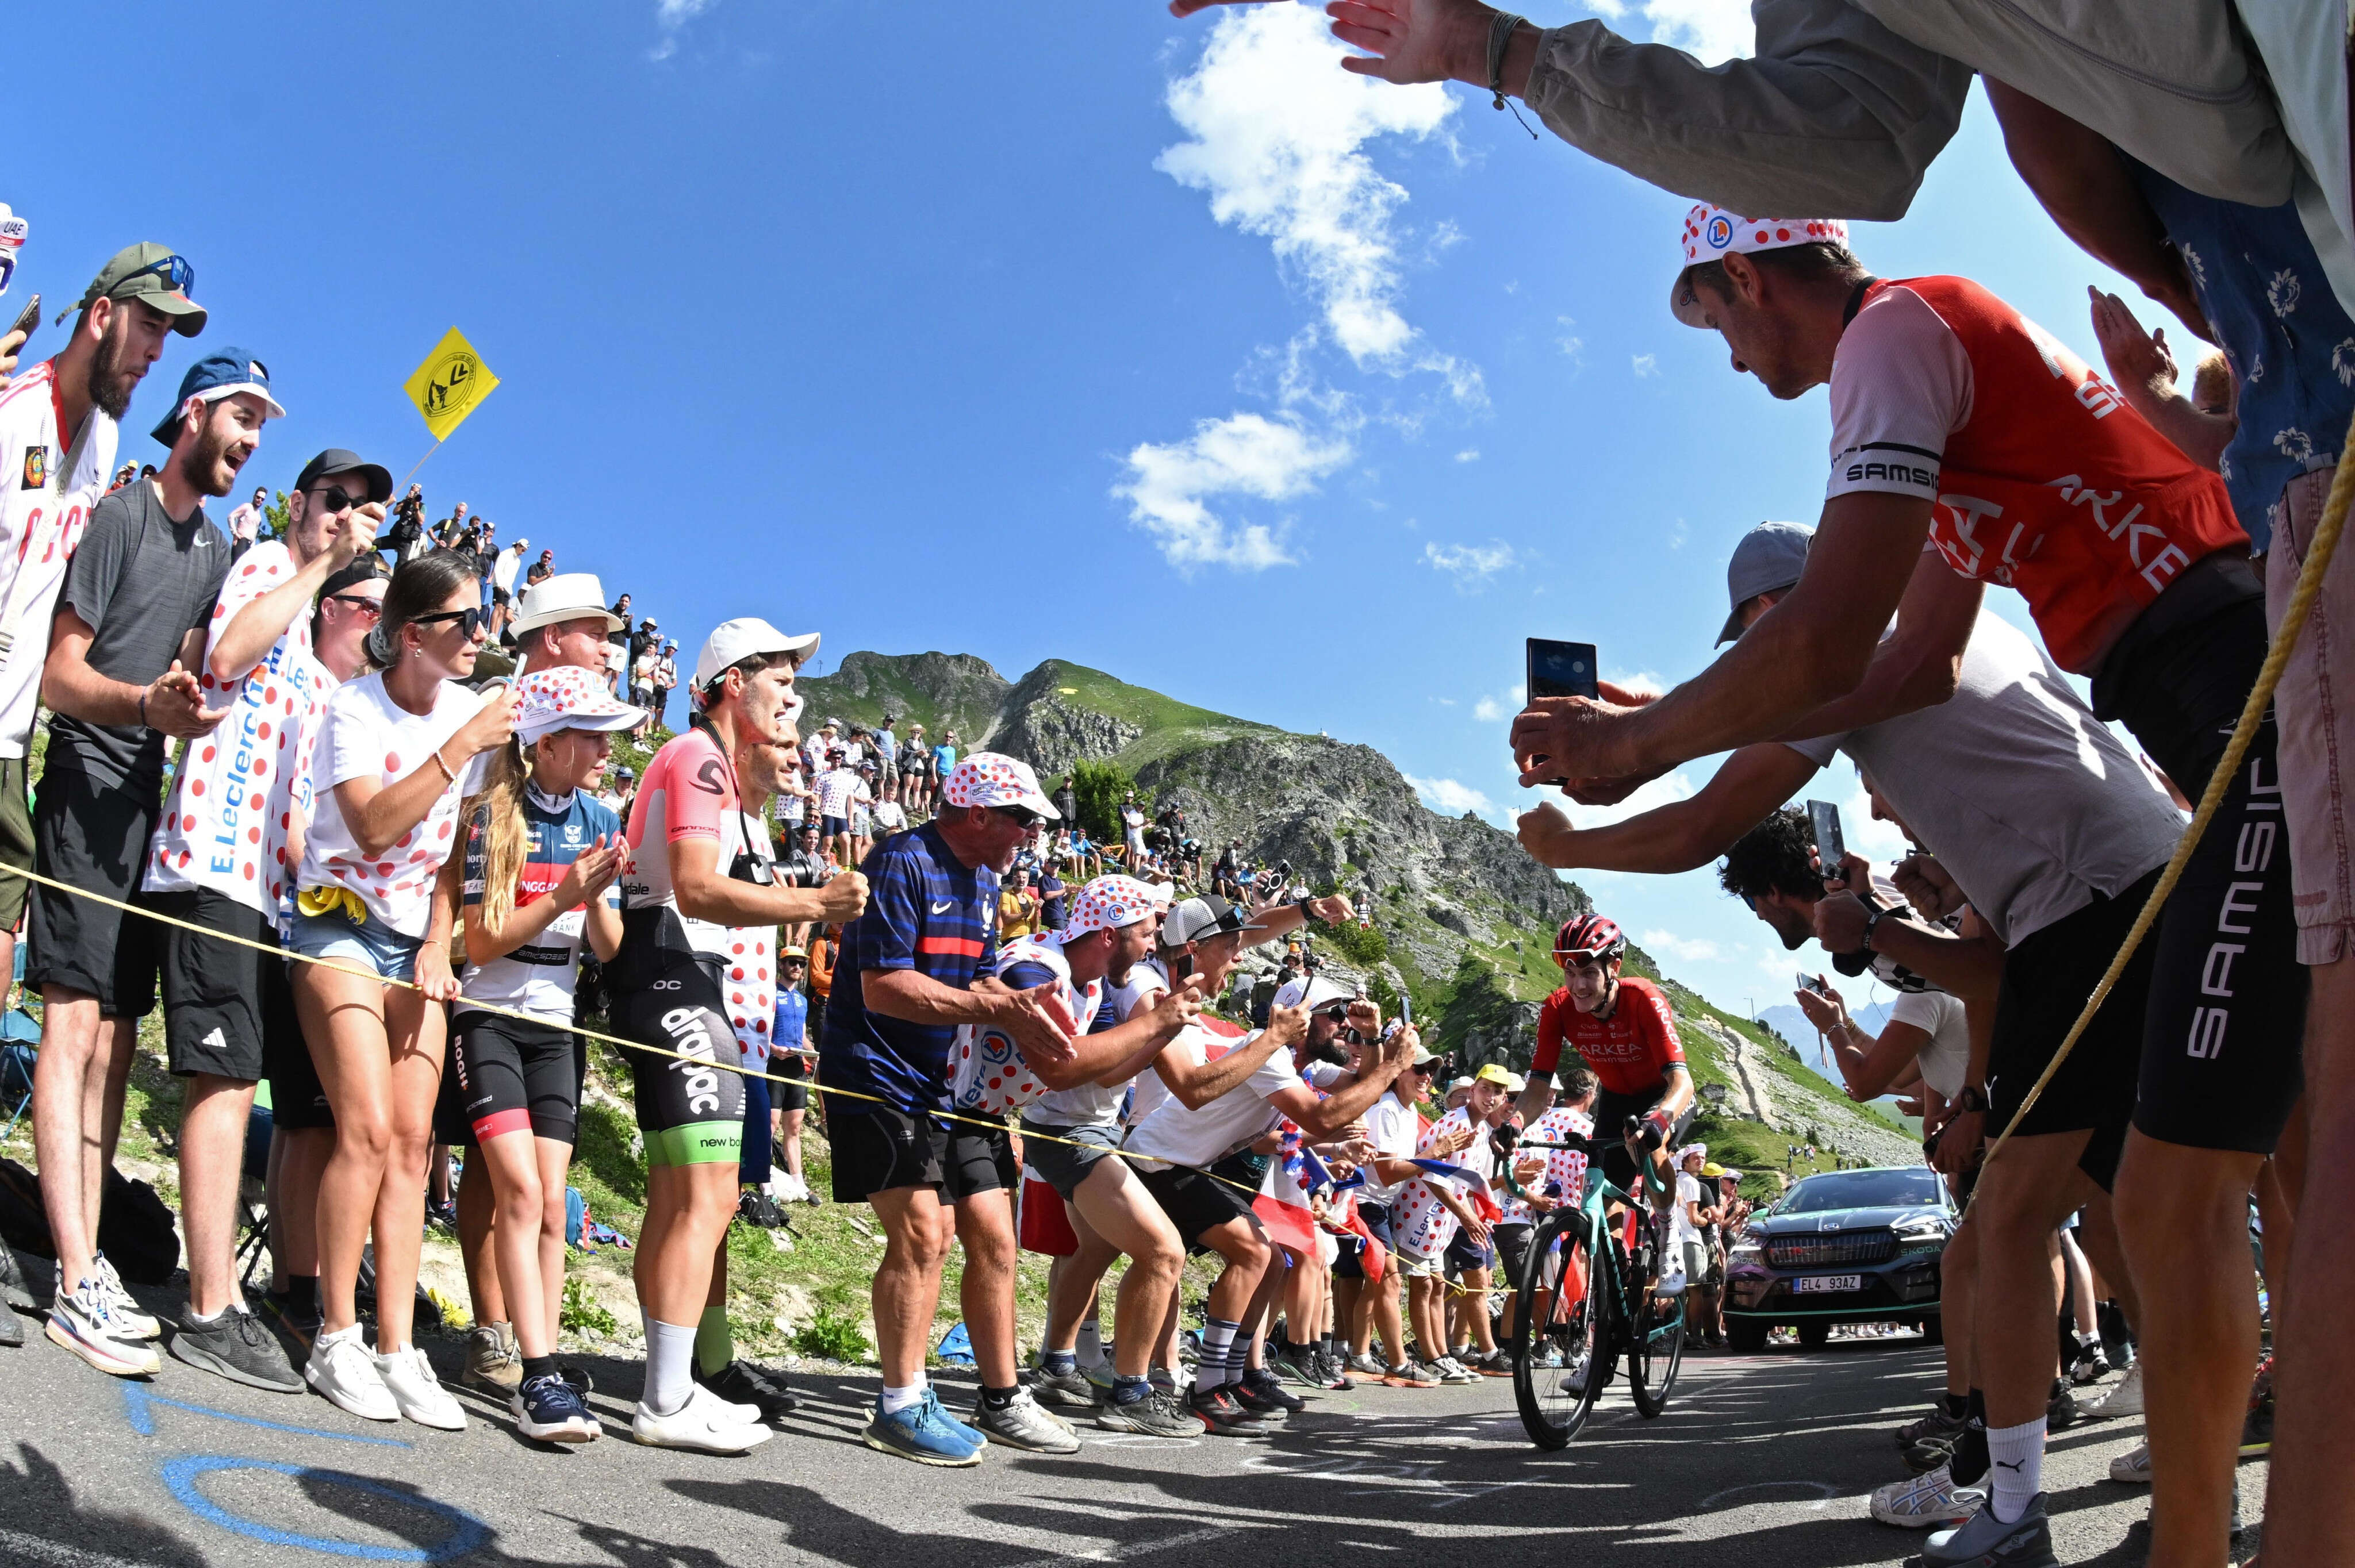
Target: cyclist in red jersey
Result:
[1961, 425]
[1625, 1031]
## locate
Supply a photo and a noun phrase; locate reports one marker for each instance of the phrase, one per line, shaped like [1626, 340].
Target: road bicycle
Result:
[1582, 1302]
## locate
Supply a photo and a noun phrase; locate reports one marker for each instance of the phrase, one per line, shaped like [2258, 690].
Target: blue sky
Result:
[1166, 347]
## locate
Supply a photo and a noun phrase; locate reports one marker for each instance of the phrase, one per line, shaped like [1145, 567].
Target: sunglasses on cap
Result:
[172, 269]
[470, 619]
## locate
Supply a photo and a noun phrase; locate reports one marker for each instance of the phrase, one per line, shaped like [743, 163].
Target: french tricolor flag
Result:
[1282, 1201]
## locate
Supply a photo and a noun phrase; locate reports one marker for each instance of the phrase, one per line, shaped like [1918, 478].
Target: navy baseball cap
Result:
[224, 373]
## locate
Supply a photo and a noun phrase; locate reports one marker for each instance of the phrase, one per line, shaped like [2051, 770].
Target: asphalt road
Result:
[1765, 1461]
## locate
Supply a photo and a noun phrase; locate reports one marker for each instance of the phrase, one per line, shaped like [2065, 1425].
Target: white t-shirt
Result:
[1148, 979]
[1681, 1226]
[836, 789]
[368, 735]
[1945, 1056]
[891, 817]
[42, 516]
[504, 570]
[1201, 1137]
[231, 802]
[1394, 1126]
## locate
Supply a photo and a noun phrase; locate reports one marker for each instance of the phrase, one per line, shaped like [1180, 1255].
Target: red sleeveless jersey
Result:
[2043, 480]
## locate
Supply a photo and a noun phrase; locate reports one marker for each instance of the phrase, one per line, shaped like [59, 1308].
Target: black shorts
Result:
[223, 1001]
[2223, 1061]
[792, 1094]
[2047, 977]
[691, 1110]
[880, 1149]
[507, 1075]
[1351, 1262]
[298, 1100]
[1512, 1252]
[16, 841]
[93, 837]
[498, 595]
[1195, 1201]
[1611, 1114]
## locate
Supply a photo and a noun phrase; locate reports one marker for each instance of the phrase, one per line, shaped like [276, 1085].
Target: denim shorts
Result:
[373, 946]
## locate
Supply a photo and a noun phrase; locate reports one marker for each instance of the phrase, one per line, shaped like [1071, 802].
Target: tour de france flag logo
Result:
[450, 384]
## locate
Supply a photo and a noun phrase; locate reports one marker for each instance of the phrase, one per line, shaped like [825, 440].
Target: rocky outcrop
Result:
[1039, 725]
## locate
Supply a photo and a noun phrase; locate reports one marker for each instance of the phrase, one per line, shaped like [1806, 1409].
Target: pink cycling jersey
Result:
[689, 792]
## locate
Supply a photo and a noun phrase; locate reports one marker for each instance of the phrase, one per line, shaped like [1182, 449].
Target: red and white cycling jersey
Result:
[1629, 1051]
[43, 511]
[689, 792]
[1564, 1176]
[2042, 479]
[986, 1073]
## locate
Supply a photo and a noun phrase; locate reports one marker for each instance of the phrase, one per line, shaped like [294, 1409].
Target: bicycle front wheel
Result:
[1561, 1331]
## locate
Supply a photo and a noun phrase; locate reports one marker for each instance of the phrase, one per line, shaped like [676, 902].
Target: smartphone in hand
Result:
[1813, 983]
[1830, 847]
[1561, 670]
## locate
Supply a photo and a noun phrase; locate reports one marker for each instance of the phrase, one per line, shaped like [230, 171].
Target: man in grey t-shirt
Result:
[130, 631]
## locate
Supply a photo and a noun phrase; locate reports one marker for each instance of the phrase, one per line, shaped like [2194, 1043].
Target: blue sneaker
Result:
[547, 1409]
[924, 1433]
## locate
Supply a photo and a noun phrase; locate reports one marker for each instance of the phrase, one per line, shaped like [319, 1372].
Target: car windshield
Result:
[1861, 1190]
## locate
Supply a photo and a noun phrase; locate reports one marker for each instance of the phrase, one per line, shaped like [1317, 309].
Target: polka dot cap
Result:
[1109, 903]
[1710, 232]
[992, 778]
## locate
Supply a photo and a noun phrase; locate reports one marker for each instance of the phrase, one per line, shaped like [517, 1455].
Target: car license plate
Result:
[1813, 1283]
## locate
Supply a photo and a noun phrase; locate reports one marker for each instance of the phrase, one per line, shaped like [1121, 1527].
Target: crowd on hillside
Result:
[380, 865]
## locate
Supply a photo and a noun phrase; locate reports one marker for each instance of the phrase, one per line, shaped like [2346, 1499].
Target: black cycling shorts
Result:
[1611, 1114]
[690, 1106]
[1512, 1244]
[792, 1094]
[882, 1150]
[1195, 1201]
[2047, 976]
[2222, 1062]
[512, 1075]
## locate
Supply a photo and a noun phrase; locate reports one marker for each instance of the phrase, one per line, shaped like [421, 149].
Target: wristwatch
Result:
[1972, 1099]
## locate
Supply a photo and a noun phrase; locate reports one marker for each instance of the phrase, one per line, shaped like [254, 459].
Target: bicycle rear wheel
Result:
[1655, 1337]
[1560, 1337]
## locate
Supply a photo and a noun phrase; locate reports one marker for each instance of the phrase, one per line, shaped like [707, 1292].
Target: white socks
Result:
[1090, 1348]
[2015, 1468]
[670, 1362]
[896, 1399]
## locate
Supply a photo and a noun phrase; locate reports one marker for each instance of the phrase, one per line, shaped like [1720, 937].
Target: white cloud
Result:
[1487, 710]
[1658, 792]
[670, 15]
[1277, 133]
[1469, 455]
[1715, 30]
[1684, 949]
[1876, 840]
[1470, 565]
[1647, 364]
[1447, 795]
[1248, 455]
[1574, 348]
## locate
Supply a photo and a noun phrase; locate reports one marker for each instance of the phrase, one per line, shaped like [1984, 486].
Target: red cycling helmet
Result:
[1584, 936]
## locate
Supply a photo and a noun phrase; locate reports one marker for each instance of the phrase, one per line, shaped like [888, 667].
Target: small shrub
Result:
[832, 1336]
[1363, 946]
[581, 1311]
[1101, 787]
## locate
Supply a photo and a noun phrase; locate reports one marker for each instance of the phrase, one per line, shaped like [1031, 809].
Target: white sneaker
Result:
[2133, 1470]
[2126, 1399]
[706, 1423]
[409, 1378]
[1926, 1501]
[84, 1320]
[128, 1318]
[341, 1368]
[1450, 1370]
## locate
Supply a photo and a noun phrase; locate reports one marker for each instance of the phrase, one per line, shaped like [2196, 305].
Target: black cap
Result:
[361, 570]
[335, 460]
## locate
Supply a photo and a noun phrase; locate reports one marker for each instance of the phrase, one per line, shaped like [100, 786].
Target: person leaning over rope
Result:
[397, 751]
[1952, 413]
[681, 901]
[223, 1002]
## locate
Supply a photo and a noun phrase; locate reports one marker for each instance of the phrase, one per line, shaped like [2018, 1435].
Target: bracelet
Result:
[1500, 35]
[142, 712]
[443, 766]
[1872, 914]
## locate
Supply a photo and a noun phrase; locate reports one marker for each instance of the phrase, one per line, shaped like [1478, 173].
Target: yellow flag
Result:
[450, 384]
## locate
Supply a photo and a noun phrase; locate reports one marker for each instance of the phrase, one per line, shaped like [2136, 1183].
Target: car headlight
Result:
[1751, 1248]
[1925, 1234]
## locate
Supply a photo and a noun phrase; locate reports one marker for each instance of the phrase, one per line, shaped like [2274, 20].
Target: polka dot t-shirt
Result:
[236, 790]
[750, 958]
[368, 735]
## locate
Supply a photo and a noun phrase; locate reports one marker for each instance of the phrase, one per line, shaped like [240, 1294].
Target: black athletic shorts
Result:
[2047, 976]
[1195, 1201]
[1611, 1114]
[2221, 1051]
[691, 1110]
[881, 1149]
[1512, 1252]
[509, 1076]
[792, 1094]
[222, 1001]
[93, 836]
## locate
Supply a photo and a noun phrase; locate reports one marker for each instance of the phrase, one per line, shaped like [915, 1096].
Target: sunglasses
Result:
[1022, 817]
[371, 608]
[172, 269]
[470, 621]
[333, 498]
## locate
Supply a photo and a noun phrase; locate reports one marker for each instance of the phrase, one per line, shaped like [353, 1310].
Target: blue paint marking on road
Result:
[181, 1475]
[138, 1404]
